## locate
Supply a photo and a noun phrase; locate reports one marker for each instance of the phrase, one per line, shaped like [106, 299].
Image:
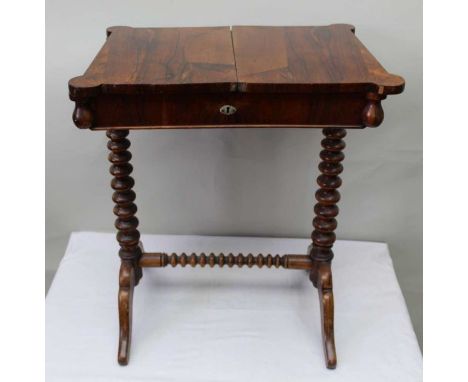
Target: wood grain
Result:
[161, 259]
[128, 235]
[154, 60]
[273, 76]
[308, 59]
[158, 78]
[203, 111]
[254, 59]
[327, 315]
[323, 235]
[125, 208]
[125, 302]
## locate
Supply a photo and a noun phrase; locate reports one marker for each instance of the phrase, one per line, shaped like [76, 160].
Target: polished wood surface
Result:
[125, 303]
[323, 236]
[155, 60]
[128, 235]
[161, 259]
[327, 316]
[327, 196]
[204, 59]
[215, 77]
[125, 208]
[173, 111]
[308, 59]
[145, 78]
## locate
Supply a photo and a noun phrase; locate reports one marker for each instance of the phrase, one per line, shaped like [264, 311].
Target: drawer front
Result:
[228, 110]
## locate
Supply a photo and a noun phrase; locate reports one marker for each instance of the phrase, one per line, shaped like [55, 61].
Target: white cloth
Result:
[216, 325]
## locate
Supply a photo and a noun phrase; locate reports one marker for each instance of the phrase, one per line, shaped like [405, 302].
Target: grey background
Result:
[244, 182]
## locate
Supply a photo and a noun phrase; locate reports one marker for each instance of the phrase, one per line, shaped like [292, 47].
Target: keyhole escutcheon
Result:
[227, 110]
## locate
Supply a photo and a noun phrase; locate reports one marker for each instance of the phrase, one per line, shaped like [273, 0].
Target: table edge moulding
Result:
[239, 77]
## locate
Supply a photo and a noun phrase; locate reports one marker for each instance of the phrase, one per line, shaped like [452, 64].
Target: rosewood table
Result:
[240, 77]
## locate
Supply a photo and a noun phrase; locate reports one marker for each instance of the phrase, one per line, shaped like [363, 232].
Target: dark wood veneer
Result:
[215, 77]
[308, 59]
[256, 110]
[299, 77]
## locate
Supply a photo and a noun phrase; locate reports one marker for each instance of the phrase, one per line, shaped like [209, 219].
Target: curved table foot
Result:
[321, 277]
[325, 289]
[125, 298]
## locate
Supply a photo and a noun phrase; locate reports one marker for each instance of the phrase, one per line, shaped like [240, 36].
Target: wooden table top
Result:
[244, 59]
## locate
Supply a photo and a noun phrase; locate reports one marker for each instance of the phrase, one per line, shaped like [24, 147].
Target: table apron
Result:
[204, 110]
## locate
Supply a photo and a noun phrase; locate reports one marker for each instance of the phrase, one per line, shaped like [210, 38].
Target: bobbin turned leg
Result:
[323, 236]
[127, 235]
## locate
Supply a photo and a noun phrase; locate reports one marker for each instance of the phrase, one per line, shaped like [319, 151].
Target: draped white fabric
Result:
[203, 324]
